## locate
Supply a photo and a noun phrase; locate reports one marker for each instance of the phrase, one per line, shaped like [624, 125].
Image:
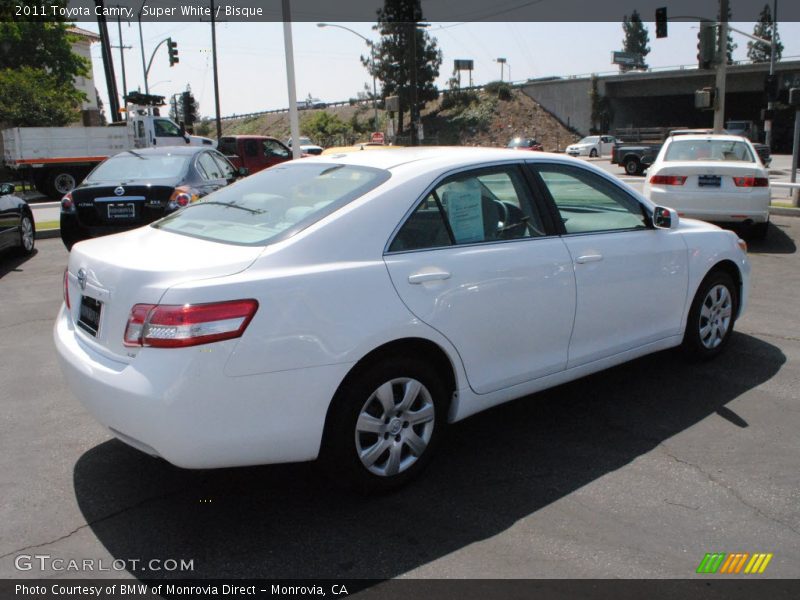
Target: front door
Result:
[631, 278]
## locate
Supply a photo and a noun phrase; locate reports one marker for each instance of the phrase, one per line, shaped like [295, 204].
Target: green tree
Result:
[322, 125]
[635, 40]
[759, 51]
[34, 98]
[730, 45]
[38, 69]
[401, 37]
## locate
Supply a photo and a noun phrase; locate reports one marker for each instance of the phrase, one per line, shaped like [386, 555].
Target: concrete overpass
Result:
[666, 98]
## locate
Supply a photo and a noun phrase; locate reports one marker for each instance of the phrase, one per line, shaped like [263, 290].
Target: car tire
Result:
[632, 166]
[709, 326]
[60, 182]
[593, 153]
[384, 425]
[27, 235]
[758, 231]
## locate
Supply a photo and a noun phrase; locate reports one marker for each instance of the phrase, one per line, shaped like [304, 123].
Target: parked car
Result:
[137, 187]
[254, 152]
[349, 307]
[523, 143]
[17, 229]
[593, 145]
[717, 178]
[306, 145]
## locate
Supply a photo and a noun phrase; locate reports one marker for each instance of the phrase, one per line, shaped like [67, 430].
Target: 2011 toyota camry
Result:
[349, 307]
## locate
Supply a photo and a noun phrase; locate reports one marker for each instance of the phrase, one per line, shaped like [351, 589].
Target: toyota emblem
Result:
[119, 191]
[82, 278]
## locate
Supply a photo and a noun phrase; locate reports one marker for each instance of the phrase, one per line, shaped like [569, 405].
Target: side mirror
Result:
[6, 188]
[243, 171]
[665, 218]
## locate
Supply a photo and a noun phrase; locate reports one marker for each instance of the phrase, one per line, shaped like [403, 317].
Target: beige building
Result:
[82, 46]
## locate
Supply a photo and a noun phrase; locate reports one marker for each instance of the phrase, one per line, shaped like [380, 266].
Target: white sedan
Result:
[717, 178]
[349, 307]
[592, 146]
[306, 145]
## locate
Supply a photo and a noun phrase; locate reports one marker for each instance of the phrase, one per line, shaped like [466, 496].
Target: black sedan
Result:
[16, 222]
[137, 187]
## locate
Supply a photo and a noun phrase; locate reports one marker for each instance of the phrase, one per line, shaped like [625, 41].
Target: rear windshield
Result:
[274, 204]
[132, 165]
[725, 150]
[518, 143]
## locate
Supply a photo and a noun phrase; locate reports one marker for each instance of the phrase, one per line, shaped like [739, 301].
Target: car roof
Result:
[167, 150]
[431, 157]
[708, 136]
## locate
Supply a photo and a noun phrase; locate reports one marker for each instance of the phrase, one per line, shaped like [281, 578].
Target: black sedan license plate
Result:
[709, 181]
[122, 210]
[89, 317]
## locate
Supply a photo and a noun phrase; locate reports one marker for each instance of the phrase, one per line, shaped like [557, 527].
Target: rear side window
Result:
[273, 204]
[486, 205]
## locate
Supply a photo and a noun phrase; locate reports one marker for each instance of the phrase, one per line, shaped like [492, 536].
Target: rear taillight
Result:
[182, 196]
[66, 288]
[178, 326]
[668, 179]
[751, 181]
[67, 205]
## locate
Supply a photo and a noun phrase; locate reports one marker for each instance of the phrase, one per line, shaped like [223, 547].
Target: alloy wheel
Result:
[715, 316]
[394, 426]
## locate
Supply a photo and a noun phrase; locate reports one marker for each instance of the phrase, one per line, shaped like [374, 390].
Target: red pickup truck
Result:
[254, 152]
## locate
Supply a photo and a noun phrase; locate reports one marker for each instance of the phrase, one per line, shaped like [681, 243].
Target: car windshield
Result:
[709, 149]
[275, 204]
[592, 139]
[132, 165]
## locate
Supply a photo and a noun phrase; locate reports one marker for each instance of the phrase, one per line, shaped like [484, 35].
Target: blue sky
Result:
[252, 69]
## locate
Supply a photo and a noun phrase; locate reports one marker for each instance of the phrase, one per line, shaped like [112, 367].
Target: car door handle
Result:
[418, 278]
[587, 258]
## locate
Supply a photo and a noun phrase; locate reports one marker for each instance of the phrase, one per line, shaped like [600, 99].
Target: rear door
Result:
[477, 260]
[631, 278]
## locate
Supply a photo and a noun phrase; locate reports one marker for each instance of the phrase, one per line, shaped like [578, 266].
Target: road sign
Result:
[377, 138]
[628, 59]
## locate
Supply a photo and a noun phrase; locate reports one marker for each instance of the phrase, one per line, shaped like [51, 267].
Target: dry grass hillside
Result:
[480, 120]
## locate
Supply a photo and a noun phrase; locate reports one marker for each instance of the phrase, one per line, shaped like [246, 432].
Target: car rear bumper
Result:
[714, 207]
[178, 403]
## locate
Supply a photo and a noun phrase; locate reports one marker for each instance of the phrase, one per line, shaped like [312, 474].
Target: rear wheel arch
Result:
[417, 348]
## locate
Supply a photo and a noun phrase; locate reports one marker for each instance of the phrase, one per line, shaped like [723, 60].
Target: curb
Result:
[47, 234]
[784, 212]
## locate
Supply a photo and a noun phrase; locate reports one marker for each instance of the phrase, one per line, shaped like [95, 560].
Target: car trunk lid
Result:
[137, 267]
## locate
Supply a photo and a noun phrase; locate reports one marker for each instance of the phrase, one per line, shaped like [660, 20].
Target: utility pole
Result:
[413, 40]
[141, 45]
[122, 49]
[770, 100]
[294, 122]
[216, 75]
[722, 63]
[108, 63]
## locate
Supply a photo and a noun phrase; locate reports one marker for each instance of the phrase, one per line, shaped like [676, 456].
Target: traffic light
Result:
[661, 22]
[706, 44]
[188, 108]
[172, 49]
[771, 87]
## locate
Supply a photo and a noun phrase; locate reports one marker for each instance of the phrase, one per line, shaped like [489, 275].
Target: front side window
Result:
[589, 203]
[273, 148]
[486, 205]
[274, 204]
[166, 128]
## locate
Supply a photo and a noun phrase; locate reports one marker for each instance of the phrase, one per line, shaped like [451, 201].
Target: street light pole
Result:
[722, 63]
[372, 62]
[141, 45]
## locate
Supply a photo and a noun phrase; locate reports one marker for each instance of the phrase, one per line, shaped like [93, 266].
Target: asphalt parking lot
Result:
[636, 472]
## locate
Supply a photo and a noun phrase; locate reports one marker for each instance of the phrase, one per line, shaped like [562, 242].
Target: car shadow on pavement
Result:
[10, 262]
[776, 242]
[287, 521]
